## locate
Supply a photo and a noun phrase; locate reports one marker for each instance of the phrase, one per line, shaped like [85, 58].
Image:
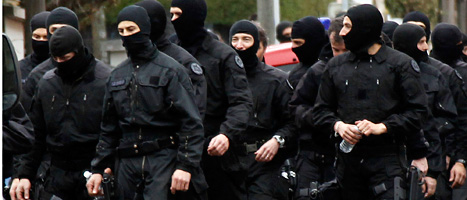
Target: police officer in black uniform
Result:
[316, 155]
[271, 126]
[308, 38]
[40, 45]
[159, 37]
[229, 101]
[58, 17]
[66, 113]
[456, 84]
[410, 39]
[150, 119]
[447, 47]
[371, 97]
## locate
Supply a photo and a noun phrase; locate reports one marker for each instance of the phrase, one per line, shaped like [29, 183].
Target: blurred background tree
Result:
[431, 8]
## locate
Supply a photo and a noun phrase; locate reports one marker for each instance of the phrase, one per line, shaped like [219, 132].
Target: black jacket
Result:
[456, 73]
[27, 65]
[441, 110]
[229, 102]
[150, 101]
[302, 103]
[66, 118]
[384, 88]
[193, 69]
[297, 73]
[30, 84]
[271, 94]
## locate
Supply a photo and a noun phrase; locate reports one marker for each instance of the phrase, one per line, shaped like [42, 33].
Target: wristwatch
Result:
[461, 161]
[280, 140]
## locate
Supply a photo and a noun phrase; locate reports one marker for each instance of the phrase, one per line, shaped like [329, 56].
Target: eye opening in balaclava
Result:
[62, 15]
[280, 29]
[418, 16]
[406, 38]
[40, 48]
[65, 40]
[446, 40]
[139, 46]
[367, 23]
[248, 56]
[190, 25]
[312, 31]
[157, 17]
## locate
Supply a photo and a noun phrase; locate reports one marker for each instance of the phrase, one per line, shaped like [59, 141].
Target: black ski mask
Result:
[138, 46]
[312, 31]
[418, 16]
[280, 28]
[62, 15]
[464, 44]
[190, 25]
[389, 27]
[157, 17]
[447, 45]
[248, 56]
[65, 40]
[367, 23]
[40, 48]
[406, 38]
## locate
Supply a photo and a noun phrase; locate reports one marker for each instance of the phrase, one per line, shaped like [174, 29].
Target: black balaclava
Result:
[62, 15]
[40, 48]
[248, 56]
[190, 25]
[280, 28]
[138, 46]
[367, 23]
[65, 40]
[406, 38]
[446, 38]
[312, 31]
[157, 17]
[418, 16]
[389, 27]
[464, 43]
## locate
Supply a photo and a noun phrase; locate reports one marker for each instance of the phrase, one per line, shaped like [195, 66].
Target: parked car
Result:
[281, 56]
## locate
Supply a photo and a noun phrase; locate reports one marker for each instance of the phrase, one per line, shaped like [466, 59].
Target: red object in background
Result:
[280, 54]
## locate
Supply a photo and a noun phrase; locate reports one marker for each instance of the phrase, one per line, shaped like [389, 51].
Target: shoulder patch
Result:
[458, 75]
[196, 69]
[117, 83]
[239, 62]
[415, 66]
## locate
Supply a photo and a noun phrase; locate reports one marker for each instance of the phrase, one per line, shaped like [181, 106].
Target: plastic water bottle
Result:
[87, 175]
[345, 146]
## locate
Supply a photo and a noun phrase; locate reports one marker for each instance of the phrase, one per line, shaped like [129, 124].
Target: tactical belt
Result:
[247, 148]
[140, 148]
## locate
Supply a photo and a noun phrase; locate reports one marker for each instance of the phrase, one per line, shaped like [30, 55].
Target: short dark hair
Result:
[335, 27]
[263, 38]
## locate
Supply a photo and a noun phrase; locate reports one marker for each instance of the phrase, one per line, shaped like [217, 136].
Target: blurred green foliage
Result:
[431, 8]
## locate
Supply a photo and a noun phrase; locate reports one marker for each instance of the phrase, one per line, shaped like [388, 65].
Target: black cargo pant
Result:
[313, 166]
[65, 184]
[225, 176]
[264, 181]
[368, 177]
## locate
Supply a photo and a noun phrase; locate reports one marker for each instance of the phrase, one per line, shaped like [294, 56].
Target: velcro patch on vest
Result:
[117, 83]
